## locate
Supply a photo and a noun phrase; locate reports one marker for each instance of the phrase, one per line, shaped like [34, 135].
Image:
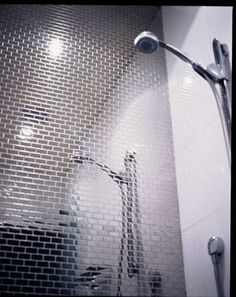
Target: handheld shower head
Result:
[146, 42]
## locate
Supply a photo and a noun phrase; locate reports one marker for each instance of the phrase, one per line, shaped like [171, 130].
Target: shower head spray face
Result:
[146, 42]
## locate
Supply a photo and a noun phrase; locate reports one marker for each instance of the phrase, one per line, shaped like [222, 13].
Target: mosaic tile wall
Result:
[89, 201]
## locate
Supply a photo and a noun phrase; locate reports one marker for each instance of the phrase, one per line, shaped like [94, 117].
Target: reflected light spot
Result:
[55, 48]
[26, 133]
[188, 81]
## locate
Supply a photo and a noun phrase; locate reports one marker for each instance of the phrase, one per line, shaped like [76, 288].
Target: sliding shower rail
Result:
[218, 76]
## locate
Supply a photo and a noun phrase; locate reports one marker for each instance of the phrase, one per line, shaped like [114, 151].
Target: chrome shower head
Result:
[146, 42]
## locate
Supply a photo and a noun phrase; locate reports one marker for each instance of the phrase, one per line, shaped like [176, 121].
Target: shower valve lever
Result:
[215, 248]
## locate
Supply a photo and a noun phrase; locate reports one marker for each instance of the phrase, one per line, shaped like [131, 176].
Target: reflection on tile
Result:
[107, 224]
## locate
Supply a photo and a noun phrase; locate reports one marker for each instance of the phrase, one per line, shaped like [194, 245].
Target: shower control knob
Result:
[215, 245]
[215, 249]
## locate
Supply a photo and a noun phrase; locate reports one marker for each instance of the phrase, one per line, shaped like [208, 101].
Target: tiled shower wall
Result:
[202, 166]
[73, 85]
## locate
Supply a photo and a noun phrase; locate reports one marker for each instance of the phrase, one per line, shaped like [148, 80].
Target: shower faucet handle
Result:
[215, 245]
[215, 248]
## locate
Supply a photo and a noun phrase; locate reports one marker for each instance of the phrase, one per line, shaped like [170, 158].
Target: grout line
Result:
[199, 221]
[176, 155]
[197, 137]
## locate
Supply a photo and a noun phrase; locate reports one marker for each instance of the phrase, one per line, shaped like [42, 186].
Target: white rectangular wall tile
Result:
[202, 168]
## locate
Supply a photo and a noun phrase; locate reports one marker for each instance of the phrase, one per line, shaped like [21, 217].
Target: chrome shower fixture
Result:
[77, 158]
[130, 211]
[215, 250]
[217, 74]
[80, 158]
[146, 42]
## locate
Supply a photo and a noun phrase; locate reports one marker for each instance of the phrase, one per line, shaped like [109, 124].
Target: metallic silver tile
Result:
[66, 229]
